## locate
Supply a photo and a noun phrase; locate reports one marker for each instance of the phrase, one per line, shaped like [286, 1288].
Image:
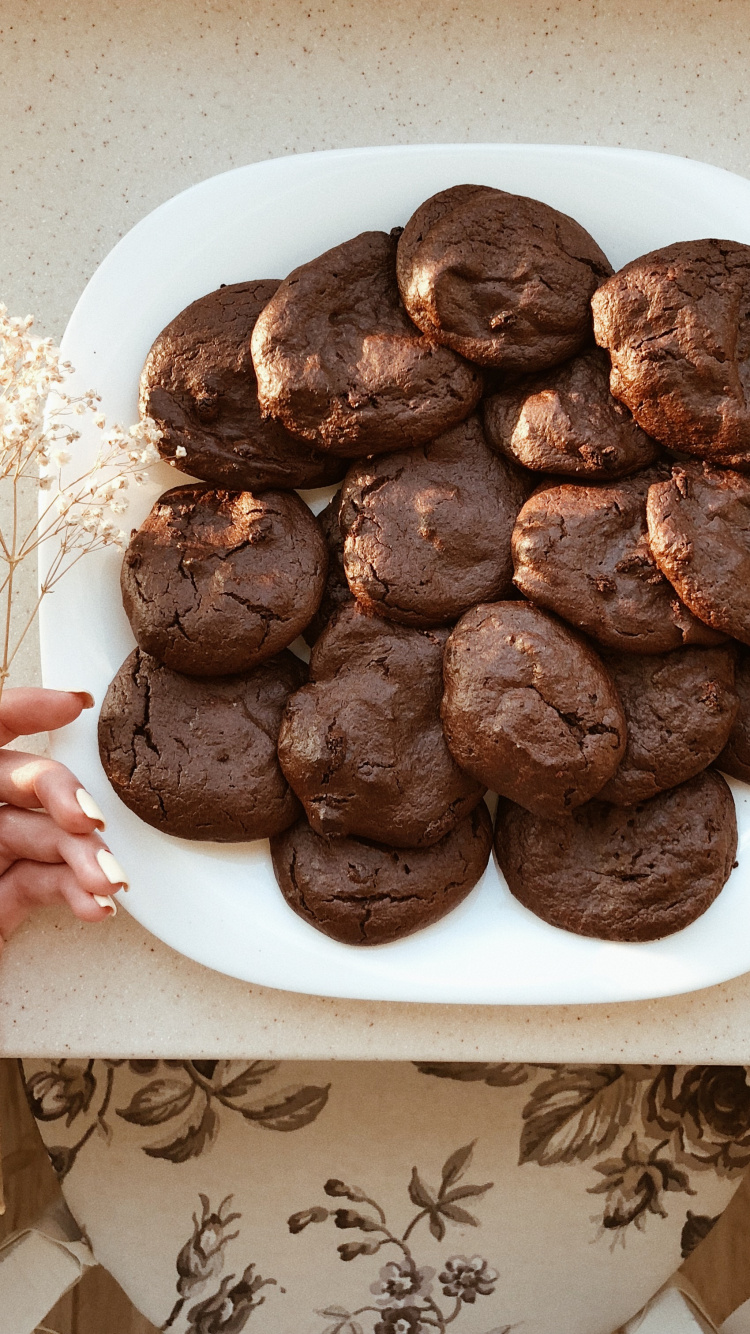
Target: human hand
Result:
[50, 849]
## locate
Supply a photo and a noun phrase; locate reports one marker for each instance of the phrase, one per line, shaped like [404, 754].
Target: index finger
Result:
[27, 710]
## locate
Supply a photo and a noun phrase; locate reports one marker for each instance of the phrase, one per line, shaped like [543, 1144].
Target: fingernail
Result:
[86, 699]
[105, 901]
[89, 806]
[112, 868]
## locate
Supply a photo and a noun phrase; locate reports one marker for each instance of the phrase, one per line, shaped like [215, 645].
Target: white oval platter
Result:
[220, 905]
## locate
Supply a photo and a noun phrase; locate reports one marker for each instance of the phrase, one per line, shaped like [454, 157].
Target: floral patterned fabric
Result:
[369, 1198]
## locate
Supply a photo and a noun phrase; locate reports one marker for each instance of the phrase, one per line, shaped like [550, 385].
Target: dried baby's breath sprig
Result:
[38, 436]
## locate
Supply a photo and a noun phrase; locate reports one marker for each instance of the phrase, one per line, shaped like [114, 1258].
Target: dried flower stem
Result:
[36, 438]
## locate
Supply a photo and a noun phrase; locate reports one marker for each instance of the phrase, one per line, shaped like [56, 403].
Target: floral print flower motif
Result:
[228, 1310]
[401, 1283]
[65, 1089]
[298, 1222]
[200, 1262]
[201, 1257]
[634, 1183]
[707, 1110]
[468, 1279]
[401, 1320]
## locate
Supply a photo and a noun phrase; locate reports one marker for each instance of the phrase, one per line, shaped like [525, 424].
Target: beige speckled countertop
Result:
[108, 109]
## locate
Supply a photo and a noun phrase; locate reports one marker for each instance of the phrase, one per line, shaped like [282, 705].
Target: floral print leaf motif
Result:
[190, 1097]
[192, 1142]
[232, 1083]
[444, 1205]
[694, 1229]
[289, 1109]
[501, 1074]
[634, 1184]
[706, 1111]
[576, 1113]
[418, 1192]
[459, 1215]
[160, 1101]
[455, 1166]
[65, 1089]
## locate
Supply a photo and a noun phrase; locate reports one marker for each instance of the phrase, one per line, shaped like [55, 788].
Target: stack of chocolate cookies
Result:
[532, 580]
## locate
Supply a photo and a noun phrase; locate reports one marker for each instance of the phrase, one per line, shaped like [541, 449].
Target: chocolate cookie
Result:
[679, 710]
[362, 744]
[427, 532]
[566, 422]
[699, 531]
[217, 581]
[340, 364]
[529, 710]
[369, 894]
[634, 873]
[583, 552]
[504, 280]
[336, 591]
[197, 758]
[199, 385]
[735, 757]
[677, 326]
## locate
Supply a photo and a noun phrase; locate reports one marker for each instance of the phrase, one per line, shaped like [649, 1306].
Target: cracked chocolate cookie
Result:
[567, 423]
[217, 581]
[735, 757]
[369, 894]
[676, 323]
[699, 531]
[427, 532]
[339, 362]
[199, 385]
[529, 710]
[336, 591]
[679, 709]
[197, 757]
[634, 873]
[362, 745]
[504, 280]
[583, 552]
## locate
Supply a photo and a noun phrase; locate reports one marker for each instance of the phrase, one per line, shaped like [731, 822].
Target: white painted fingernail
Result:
[89, 806]
[105, 901]
[111, 868]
